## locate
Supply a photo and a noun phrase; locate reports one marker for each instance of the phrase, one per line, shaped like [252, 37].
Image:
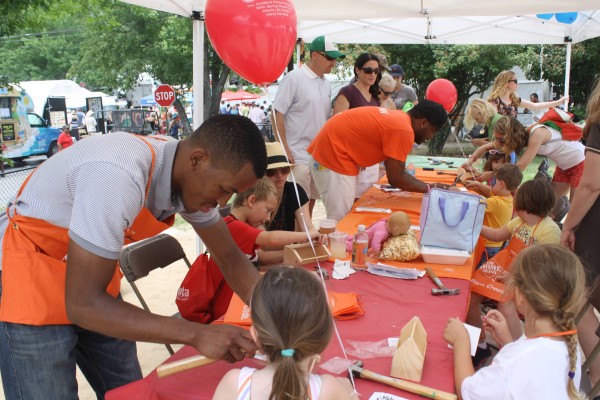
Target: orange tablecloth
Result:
[410, 203]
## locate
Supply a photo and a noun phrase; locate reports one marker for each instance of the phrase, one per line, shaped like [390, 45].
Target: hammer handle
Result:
[182, 365]
[434, 278]
[408, 386]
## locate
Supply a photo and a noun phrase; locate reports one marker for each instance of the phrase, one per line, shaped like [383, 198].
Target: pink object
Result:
[377, 235]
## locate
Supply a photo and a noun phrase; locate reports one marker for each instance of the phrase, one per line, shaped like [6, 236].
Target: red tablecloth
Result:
[389, 304]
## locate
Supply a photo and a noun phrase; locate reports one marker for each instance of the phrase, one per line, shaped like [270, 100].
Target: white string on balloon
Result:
[305, 226]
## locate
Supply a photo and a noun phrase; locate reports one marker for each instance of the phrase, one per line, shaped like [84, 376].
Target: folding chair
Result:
[138, 259]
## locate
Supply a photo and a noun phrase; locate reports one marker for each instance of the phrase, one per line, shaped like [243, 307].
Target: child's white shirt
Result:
[525, 369]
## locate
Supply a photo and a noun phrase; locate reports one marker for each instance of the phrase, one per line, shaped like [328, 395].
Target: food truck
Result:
[22, 132]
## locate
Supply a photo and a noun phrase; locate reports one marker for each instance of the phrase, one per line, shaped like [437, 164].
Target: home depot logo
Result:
[491, 270]
[183, 294]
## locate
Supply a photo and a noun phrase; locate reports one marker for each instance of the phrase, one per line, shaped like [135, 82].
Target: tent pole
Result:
[198, 84]
[567, 70]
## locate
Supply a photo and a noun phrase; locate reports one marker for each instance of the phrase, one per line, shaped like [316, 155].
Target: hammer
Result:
[441, 290]
[358, 371]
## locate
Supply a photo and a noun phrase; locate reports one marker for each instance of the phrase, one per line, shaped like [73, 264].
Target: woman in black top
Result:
[290, 215]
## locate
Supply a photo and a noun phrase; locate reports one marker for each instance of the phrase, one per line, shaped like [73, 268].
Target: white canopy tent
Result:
[413, 21]
[75, 95]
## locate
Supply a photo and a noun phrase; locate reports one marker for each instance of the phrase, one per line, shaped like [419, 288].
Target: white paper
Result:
[474, 333]
[387, 188]
[385, 396]
[342, 269]
[393, 272]
[415, 227]
[393, 342]
[374, 210]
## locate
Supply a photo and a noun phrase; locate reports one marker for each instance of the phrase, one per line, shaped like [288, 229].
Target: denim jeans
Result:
[487, 254]
[39, 362]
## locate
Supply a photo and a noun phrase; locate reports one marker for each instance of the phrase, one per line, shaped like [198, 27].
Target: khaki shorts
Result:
[305, 179]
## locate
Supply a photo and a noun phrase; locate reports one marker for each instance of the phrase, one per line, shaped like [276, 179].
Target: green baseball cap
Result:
[321, 43]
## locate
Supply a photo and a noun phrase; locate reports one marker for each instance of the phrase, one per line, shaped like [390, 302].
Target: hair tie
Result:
[287, 352]
[571, 374]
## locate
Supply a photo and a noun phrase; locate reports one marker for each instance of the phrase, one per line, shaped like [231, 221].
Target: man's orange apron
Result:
[34, 263]
[485, 279]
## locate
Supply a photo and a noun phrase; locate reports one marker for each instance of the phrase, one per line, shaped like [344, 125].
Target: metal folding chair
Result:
[138, 259]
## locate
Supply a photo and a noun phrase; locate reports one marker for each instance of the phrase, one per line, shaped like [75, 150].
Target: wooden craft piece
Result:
[409, 357]
[294, 254]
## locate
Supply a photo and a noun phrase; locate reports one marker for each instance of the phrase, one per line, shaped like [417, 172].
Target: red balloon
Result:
[442, 91]
[255, 38]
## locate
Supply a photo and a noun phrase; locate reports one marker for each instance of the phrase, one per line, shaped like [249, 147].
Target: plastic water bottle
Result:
[410, 169]
[360, 246]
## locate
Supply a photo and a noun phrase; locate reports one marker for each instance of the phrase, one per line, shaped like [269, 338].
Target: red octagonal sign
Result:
[164, 95]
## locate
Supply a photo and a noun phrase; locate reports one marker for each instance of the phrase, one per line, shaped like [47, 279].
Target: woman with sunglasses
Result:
[290, 215]
[364, 92]
[504, 97]
[568, 155]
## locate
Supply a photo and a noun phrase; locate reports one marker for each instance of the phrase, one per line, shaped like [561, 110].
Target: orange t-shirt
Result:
[361, 137]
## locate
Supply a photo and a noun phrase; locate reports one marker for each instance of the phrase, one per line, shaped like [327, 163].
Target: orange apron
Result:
[34, 263]
[484, 280]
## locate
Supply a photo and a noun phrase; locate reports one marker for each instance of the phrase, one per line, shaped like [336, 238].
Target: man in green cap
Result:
[302, 106]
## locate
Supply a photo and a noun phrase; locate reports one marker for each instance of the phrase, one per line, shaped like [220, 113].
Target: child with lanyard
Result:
[547, 283]
[292, 325]
[531, 226]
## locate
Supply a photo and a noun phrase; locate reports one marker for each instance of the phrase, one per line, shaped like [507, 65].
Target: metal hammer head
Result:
[356, 369]
[444, 291]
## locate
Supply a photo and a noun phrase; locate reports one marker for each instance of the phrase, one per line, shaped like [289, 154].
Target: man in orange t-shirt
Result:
[363, 136]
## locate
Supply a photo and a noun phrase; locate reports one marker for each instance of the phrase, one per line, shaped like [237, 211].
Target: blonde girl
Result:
[292, 325]
[504, 98]
[481, 112]
[547, 284]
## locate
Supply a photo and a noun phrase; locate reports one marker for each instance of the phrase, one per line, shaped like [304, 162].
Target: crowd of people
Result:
[61, 306]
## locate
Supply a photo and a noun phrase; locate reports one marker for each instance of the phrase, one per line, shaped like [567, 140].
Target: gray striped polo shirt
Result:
[96, 189]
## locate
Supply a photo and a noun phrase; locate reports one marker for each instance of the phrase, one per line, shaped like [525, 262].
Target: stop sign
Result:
[164, 95]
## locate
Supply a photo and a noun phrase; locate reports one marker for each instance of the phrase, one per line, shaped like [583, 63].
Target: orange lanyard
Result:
[554, 334]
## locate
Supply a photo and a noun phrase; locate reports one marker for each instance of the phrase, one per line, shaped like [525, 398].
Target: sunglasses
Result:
[514, 80]
[494, 151]
[329, 58]
[282, 170]
[369, 70]
[387, 93]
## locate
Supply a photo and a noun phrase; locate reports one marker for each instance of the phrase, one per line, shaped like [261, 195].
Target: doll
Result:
[396, 224]
[401, 243]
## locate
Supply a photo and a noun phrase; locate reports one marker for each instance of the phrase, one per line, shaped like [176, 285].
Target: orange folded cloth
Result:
[342, 305]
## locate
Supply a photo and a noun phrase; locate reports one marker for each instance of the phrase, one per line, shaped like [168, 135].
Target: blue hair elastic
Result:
[571, 374]
[287, 352]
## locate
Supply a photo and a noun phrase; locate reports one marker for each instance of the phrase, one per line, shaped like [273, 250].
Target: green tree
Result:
[585, 57]
[16, 15]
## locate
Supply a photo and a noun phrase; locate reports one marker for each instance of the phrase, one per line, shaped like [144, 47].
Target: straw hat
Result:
[275, 156]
